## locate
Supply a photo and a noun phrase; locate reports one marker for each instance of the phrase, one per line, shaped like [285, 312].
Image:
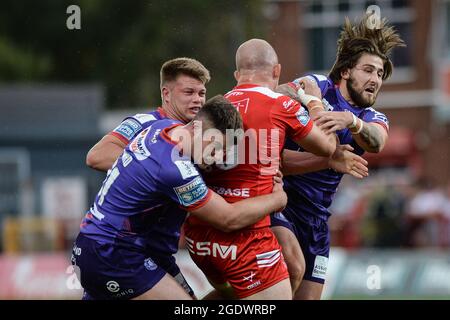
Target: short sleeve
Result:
[182, 183]
[371, 115]
[130, 127]
[291, 115]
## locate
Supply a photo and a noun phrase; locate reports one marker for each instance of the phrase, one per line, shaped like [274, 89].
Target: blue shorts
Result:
[314, 239]
[111, 272]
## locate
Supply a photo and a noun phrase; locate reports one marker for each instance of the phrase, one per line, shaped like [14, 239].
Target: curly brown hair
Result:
[358, 39]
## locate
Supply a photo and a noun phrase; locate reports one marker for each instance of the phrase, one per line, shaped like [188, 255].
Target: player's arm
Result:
[318, 142]
[103, 154]
[309, 94]
[370, 136]
[229, 217]
[343, 160]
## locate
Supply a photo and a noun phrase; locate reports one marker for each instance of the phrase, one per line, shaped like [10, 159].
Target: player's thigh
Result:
[292, 251]
[166, 289]
[279, 291]
[309, 290]
[221, 291]
[111, 272]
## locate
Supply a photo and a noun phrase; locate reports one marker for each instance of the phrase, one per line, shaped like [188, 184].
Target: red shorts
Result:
[249, 260]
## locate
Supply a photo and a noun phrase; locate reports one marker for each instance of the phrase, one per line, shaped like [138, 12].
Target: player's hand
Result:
[278, 178]
[287, 90]
[310, 87]
[345, 161]
[331, 121]
[278, 190]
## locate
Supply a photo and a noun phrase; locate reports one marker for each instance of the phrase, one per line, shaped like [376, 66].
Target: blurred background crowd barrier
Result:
[61, 90]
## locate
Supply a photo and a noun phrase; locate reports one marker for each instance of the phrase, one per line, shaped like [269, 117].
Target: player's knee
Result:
[295, 263]
[307, 295]
[309, 291]
[296, 273]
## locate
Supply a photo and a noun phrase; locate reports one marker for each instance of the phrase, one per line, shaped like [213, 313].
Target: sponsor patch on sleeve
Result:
[186, 168]
[302, 116]
[145, 117]
[128, 128]
[191, 192]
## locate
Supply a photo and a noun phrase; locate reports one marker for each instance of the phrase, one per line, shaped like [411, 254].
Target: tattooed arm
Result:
[372, 137]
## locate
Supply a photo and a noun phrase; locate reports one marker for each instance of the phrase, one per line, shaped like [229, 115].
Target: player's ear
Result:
[165, 92]
[237, 75]
[345, 74]
[276, 71]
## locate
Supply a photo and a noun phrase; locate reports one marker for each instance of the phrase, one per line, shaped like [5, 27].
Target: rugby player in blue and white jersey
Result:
[117, 252]
[183, 93]
[348, 94]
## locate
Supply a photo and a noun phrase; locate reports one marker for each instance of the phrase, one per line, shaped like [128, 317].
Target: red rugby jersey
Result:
[268, 118]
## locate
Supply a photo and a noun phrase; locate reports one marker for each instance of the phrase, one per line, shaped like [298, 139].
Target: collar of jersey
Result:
[164, 133]
[246, 86]
[162, 112]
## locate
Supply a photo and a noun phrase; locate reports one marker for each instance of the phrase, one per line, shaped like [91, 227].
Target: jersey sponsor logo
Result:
[144, 117]
[268, 259]
[243, 192]
[207, 248]
[186, 168]
[138, 147]
[241, 105]
[155, 136]
[250, 278]
[149, 264]
[128, 128]
[124, 293]
[320, 267]
[302, 116]
[112, 286]
[192, 192]
[288, 104]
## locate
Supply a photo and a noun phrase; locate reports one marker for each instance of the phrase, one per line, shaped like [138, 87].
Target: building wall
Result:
[432, 137]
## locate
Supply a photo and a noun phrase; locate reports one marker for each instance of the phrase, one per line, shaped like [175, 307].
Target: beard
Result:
[358, 97]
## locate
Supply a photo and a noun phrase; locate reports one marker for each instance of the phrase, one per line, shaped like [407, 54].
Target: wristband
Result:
[315, 107]
[353, 125]
[360, 128]
[306, 98]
